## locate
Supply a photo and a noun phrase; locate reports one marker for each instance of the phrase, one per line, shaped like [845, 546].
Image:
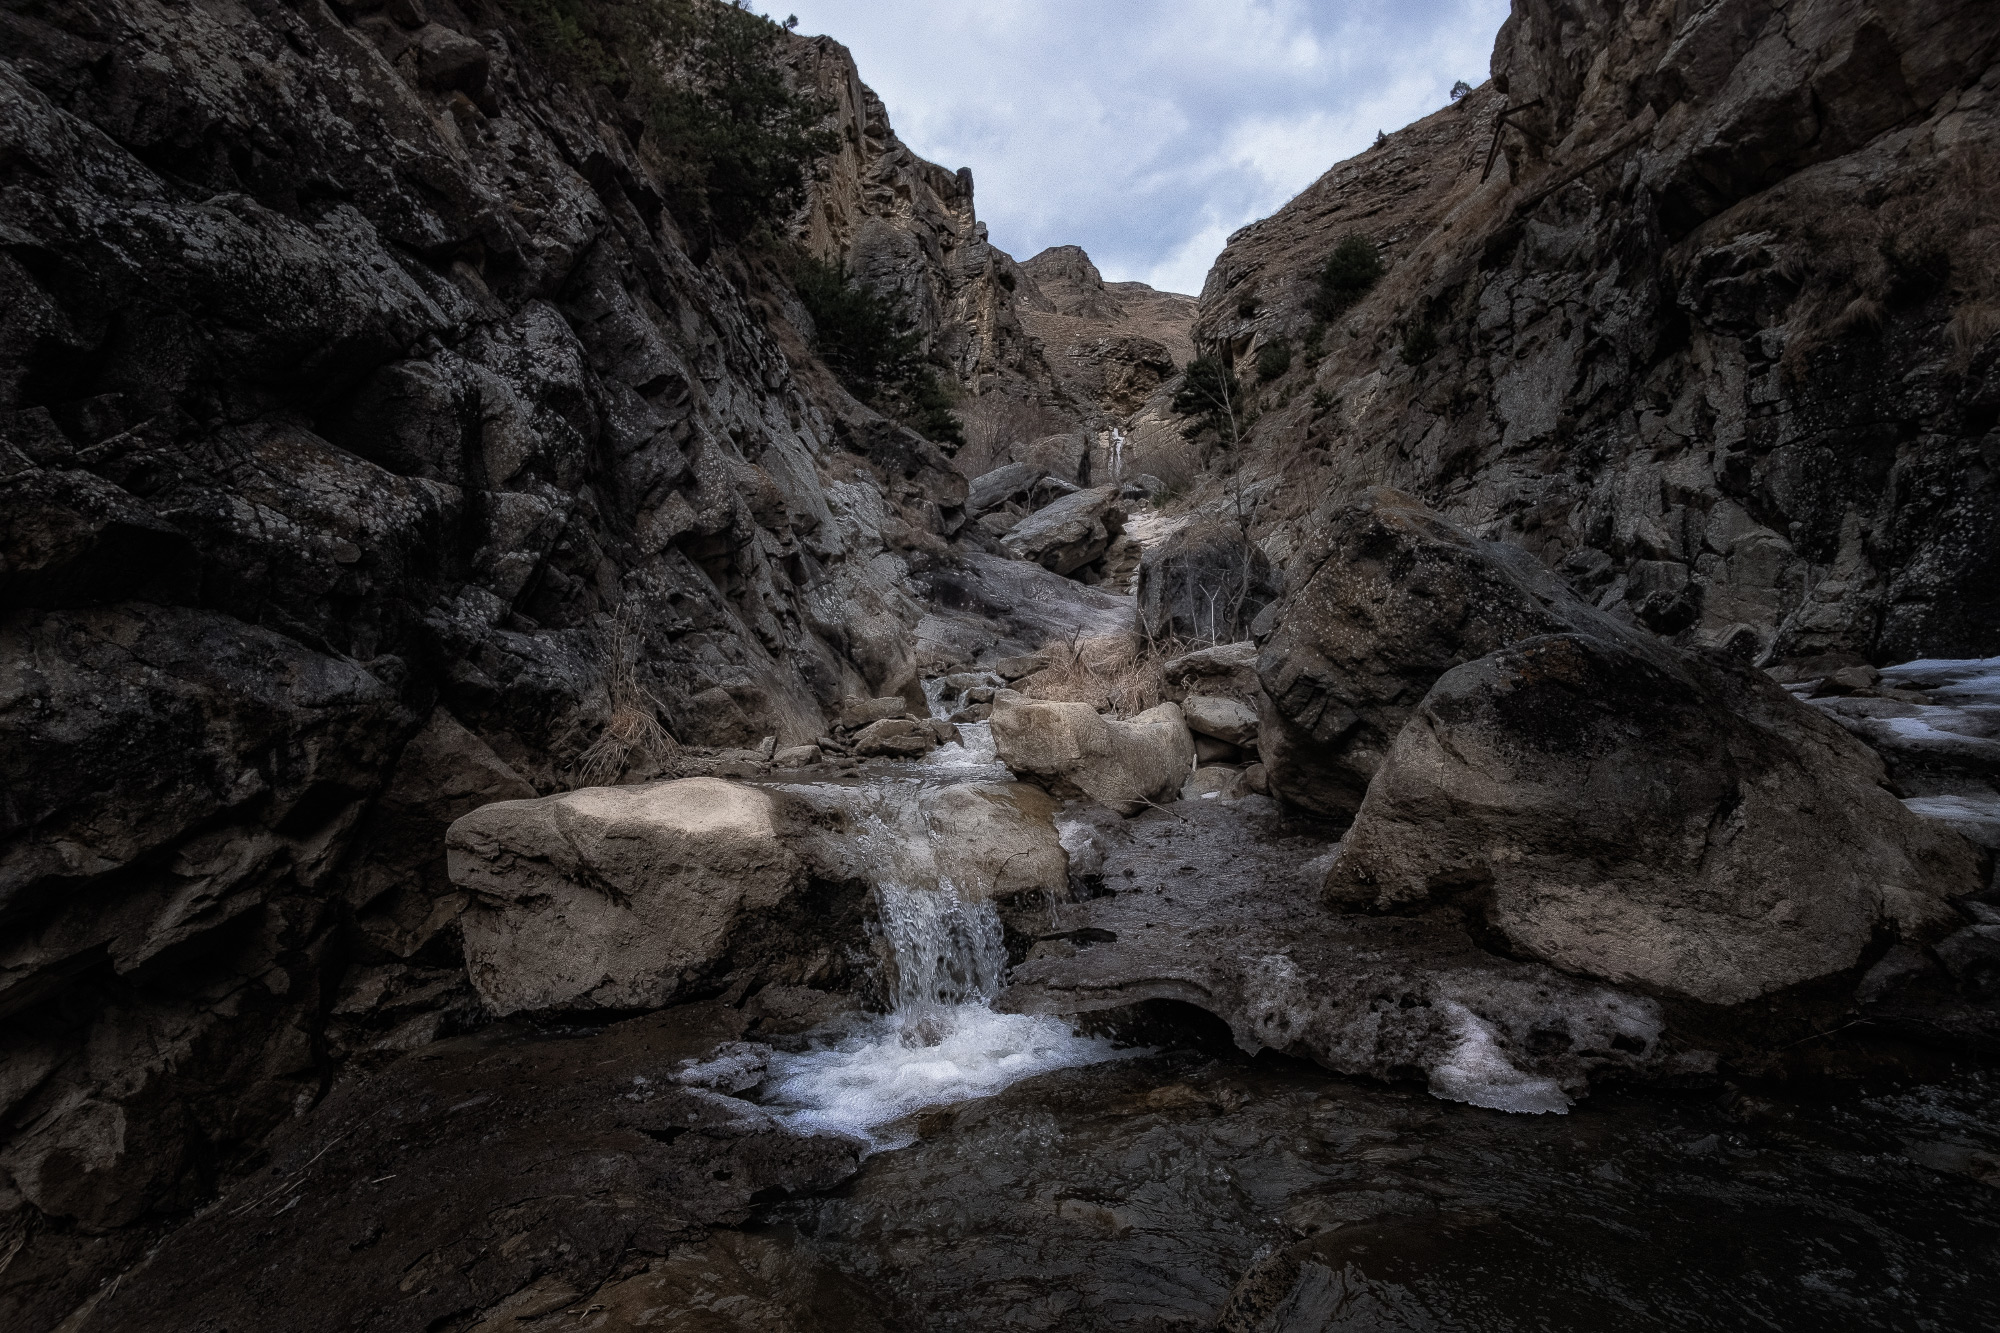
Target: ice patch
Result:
[1478, 1072]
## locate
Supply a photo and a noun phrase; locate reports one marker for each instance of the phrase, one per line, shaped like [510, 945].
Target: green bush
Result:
[1274, 358]
[739, 142]
[865, 338]
[1420, 344]
[1210, 393]
[1315, 345]
[1354, 266]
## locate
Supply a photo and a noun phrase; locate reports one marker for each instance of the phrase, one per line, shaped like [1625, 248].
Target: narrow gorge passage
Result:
[612, 718]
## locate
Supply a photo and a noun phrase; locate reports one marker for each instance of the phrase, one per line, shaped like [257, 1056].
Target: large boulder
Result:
[1072, 750]
[1009, 481]
[1394, 597]
[1688, 829]
[1228, 670]
[632, 897]
[1206, 582]
[615, 897]
[1071, 533]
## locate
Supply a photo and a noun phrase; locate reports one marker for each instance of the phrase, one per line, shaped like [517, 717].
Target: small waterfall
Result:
[941, 1042]
[973, 756]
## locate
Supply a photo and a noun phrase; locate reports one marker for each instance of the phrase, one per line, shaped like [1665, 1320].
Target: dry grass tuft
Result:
[633, 735]
[1972, 326]
[1941, 231]
[1118, 674]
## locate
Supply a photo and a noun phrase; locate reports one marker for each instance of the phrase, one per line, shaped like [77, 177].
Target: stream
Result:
[1021, 1175]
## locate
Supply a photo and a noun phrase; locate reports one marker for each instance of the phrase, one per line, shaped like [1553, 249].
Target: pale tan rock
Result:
[614, 897]
[1072, 750]
[993, 839]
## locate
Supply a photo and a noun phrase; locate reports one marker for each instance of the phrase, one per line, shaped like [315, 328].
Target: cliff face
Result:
[908, 226]
[1714, 336]
[1113, 344]
[374, 446]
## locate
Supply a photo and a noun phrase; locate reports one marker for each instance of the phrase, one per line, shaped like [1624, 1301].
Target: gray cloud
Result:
[1147, 130]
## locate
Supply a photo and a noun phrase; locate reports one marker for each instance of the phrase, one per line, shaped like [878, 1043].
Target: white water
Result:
[942, 1042]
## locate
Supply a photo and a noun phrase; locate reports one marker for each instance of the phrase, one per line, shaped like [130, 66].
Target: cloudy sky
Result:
[1148, 130]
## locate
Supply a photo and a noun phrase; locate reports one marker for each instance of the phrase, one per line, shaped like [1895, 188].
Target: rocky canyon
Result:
[611, 718]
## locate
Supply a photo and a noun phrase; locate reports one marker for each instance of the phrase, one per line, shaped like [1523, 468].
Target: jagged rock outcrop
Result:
[908, 226]
[1112, 344]
[1714, 338]
[375, 444]
[1392, 598]
[1071, 533]
[1688, 828]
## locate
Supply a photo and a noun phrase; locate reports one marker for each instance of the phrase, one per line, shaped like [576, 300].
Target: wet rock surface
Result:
[1213, 904]
[508, 1166]
[1178, 1192]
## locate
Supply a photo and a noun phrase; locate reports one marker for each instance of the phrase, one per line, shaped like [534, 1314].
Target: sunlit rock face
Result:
[1712, 334]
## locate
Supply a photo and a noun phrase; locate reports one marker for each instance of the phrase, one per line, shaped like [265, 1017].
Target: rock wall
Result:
[906, 225]
[375, 446]
[1112, 343]
[1714, 336]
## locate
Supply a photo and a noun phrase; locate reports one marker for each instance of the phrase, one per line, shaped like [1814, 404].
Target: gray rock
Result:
[1225, 719]
[1069, 534]
[1010, 481]
[1229, 670]
[855, 714]
[1690, 830]
[896, 738]
[1205, 582]
[1395, 597]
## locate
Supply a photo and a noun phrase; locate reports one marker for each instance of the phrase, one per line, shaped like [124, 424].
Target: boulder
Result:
[1073, 751]
[995, 839]
[856, 713]
[1206, 581]
[1212, 781]
[629, 897]
[1072, 532]
[1228, 720]
[615, 897]
[895, 738]
[1394, 598]
[1010, 481]
[1228, 669]
[1689, 829]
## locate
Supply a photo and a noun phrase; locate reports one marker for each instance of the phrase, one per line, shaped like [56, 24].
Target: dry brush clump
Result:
[1858, 263]
[633, 737]
[1000, 430]
[1118, 674]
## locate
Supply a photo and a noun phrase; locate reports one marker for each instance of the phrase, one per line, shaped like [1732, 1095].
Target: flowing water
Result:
[941, 1042]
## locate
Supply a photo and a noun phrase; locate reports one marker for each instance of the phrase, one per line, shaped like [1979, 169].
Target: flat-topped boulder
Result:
[634, 897]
